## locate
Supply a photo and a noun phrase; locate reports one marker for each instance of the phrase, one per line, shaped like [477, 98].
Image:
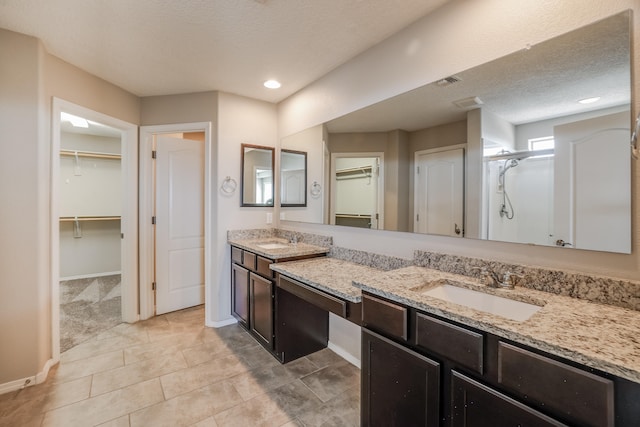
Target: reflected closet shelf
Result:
[89, 218]
[92, 154]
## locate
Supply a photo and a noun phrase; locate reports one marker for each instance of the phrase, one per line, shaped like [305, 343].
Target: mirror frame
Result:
[243, 147]
[294, 205]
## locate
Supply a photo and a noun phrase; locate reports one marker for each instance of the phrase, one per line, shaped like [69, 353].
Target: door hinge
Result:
[153, 286]
[122, 235]
[153, 220]
[154, 154]
[417, 217]
[418, 170]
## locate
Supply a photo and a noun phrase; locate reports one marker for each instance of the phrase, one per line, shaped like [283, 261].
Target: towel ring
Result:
[229, 185]
[315, 189]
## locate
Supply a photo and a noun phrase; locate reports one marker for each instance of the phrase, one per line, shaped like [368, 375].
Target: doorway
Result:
[93, 224]
[357, 190]
[174, 203]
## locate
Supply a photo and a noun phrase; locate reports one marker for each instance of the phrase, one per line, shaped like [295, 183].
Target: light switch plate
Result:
[269, 217]
[282, 215]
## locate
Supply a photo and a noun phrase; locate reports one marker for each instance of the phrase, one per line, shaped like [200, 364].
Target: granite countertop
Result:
[600, 336]
[331, 275]
[290, 251]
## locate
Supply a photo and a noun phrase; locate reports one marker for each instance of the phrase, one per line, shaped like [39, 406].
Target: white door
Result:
[592, 194]
[179, 223]
[439, 192]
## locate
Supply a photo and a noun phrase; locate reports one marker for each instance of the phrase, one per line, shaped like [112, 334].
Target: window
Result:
[543, 143]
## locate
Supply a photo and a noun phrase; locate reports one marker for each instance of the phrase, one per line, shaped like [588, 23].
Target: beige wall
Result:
[29, 78]
[476, 32]
[23, 264]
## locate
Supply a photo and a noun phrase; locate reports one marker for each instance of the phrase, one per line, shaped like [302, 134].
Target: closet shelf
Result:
[92, 154]
[353, 216]
[89, 218]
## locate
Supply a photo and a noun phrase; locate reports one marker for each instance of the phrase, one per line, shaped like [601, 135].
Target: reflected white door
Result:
[592, 194]
[179, 224]
[439, 187]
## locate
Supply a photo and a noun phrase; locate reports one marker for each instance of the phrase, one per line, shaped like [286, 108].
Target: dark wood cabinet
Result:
[399, 387]
[261, 303]
[473, 404]
[253, 303]
[240, 294]
[484, 380]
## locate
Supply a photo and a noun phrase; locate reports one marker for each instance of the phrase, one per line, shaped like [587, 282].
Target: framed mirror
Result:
[257, 175]
[522, 123]
[293, 178]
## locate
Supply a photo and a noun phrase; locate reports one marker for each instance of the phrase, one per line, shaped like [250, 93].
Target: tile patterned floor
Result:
[173, 371]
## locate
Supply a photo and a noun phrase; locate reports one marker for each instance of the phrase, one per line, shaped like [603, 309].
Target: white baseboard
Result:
[91, 276]
[221, 323]
[39, 378]
[344, 354]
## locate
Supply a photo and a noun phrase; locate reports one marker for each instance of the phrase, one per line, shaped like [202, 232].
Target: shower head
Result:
[508, 164]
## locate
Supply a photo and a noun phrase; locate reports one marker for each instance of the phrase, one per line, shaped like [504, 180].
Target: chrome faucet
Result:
[493, 280]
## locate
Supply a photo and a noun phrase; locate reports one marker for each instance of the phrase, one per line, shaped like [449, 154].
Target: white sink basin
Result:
[272, 245]
[504, 307]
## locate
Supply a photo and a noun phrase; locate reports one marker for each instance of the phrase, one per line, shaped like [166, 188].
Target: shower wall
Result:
[529, 186]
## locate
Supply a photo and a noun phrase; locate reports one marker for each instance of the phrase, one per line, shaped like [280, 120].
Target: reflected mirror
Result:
[257, 175]
[293, 178]
[530, 148]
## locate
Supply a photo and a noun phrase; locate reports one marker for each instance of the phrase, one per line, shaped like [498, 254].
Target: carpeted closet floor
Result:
[88, 307]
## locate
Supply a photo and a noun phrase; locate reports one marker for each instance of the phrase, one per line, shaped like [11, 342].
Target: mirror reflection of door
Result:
[293, 178]
[439, 192]
[592, 186]
[357, 197]
[257, 175]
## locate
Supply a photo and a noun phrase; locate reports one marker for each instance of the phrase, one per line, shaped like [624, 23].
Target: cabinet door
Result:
[399, 387]
[240, 294]
[262, 309]
[476, 405]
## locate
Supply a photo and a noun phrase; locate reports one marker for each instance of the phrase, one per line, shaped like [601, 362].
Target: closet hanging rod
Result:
[92, 154]
[89, 218]
[361, 169]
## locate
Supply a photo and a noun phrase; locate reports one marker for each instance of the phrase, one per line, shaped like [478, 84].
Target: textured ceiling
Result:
[159, 47]
[543, 82]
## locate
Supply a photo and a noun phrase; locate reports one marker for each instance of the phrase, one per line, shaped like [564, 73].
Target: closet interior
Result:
[90, 208]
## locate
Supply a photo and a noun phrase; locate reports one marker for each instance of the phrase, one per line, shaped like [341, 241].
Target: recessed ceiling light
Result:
[272, 84]
[589, 100]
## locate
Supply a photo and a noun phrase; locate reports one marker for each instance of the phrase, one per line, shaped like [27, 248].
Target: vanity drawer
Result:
[453, 342]
[236, 255]
[262, 267]
[314, 296]
[384, 316]
[249, 261]
[582, 397]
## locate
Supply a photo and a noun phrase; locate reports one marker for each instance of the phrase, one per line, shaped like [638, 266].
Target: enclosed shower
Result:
[519, 197]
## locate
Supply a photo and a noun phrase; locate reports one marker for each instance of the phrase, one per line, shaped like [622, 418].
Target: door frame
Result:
[416, 156]
[147, 236]
[128, 221]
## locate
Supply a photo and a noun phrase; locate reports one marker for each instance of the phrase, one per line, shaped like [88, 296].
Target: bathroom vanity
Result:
[433, 355]
[256, 300]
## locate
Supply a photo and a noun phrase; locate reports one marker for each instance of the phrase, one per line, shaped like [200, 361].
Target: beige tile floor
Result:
[173, 371]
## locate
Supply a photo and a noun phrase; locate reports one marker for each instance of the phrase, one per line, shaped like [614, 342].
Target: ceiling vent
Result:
[447, 81]
[472, 101]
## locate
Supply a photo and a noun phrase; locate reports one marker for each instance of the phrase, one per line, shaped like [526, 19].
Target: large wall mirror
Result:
[257, 175]
[529, 148]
